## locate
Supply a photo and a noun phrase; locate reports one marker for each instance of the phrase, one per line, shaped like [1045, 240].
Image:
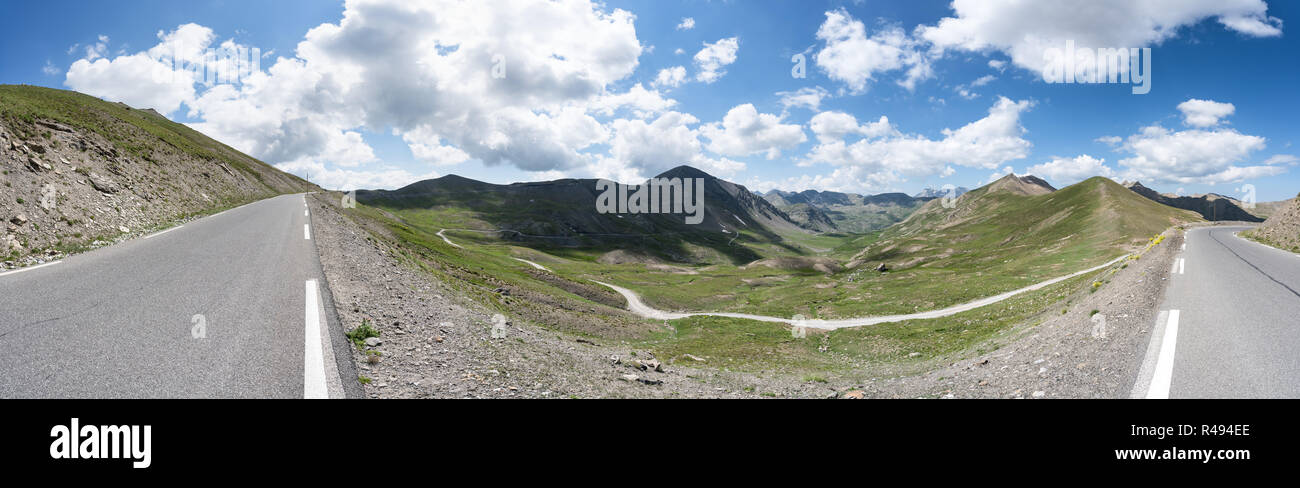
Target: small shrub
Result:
[364, 331]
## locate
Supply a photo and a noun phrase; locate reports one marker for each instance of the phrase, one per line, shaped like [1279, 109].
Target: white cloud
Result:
[654, 147]
[1193, 156]
[714, 57]
[1065, 171]
[643, 102]
[806, 97]
[1024, 30]
[744, 131]
[1204, 113]
[342, 179]
[426, 145]
[884, 156]
[679, 51]
[850, 57]
[136, 80]
[671, 77]
[687, 23]
[1112, 141]
[50, 69]
[833, 126]
[428, 67]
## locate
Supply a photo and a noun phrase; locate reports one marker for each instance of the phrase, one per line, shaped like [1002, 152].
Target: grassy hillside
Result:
[80, 172]
[560, 217]
[991, 241]
[1084, 224]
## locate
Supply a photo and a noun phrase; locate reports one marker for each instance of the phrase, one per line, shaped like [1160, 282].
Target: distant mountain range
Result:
[939, 193]
[830, 211]
[562, 213]
[1211, 206]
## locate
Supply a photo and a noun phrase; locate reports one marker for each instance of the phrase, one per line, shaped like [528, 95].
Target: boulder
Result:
[102, 183]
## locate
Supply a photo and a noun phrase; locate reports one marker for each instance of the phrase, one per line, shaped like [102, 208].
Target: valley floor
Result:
[437, 343]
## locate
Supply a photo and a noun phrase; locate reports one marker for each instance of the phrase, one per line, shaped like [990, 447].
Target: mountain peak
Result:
[1022, 185]
[685, 171]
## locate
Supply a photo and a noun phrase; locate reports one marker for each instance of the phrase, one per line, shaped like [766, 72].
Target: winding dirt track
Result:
[636, 306]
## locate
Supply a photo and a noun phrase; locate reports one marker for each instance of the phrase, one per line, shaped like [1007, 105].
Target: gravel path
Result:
[638, 307]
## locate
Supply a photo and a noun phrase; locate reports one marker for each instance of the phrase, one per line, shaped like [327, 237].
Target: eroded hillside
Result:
[79, 172]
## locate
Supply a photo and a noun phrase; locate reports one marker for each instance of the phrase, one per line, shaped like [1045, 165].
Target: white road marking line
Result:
[156, 234]
[306, 231]
[304, 213]
[1165, 364]
[313, 357]
[1182, 265]
[29, 268]
[1184, 246]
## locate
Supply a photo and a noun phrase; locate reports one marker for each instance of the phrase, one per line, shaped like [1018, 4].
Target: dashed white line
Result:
[1182, 265]
[29, 268]
[1164, 370]
[313, 356]
[306, 231]
[156, 234]
[304, 213]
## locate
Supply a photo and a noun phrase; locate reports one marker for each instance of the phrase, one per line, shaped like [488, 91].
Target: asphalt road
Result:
[1230, 323]
[124, 320]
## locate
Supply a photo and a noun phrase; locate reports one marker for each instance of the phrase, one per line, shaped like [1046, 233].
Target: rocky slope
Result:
[1282, 229]
[79, 172]
[1211, 206]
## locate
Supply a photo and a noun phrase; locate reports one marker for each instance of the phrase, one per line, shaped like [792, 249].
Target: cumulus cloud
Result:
[882, 155]
[687, 23]
[833, 126]
[1204, 113]
[1193, 156]
[744, 131]
[671, 77]
[711, 60]
[1065, 171]
[147, 79]
[1205, 154]
[806, 97]
[1024, 30]
[457, 82]
[849, 56]
[664, 143]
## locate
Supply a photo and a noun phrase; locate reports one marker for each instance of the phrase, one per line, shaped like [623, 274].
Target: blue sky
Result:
[400, 91]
